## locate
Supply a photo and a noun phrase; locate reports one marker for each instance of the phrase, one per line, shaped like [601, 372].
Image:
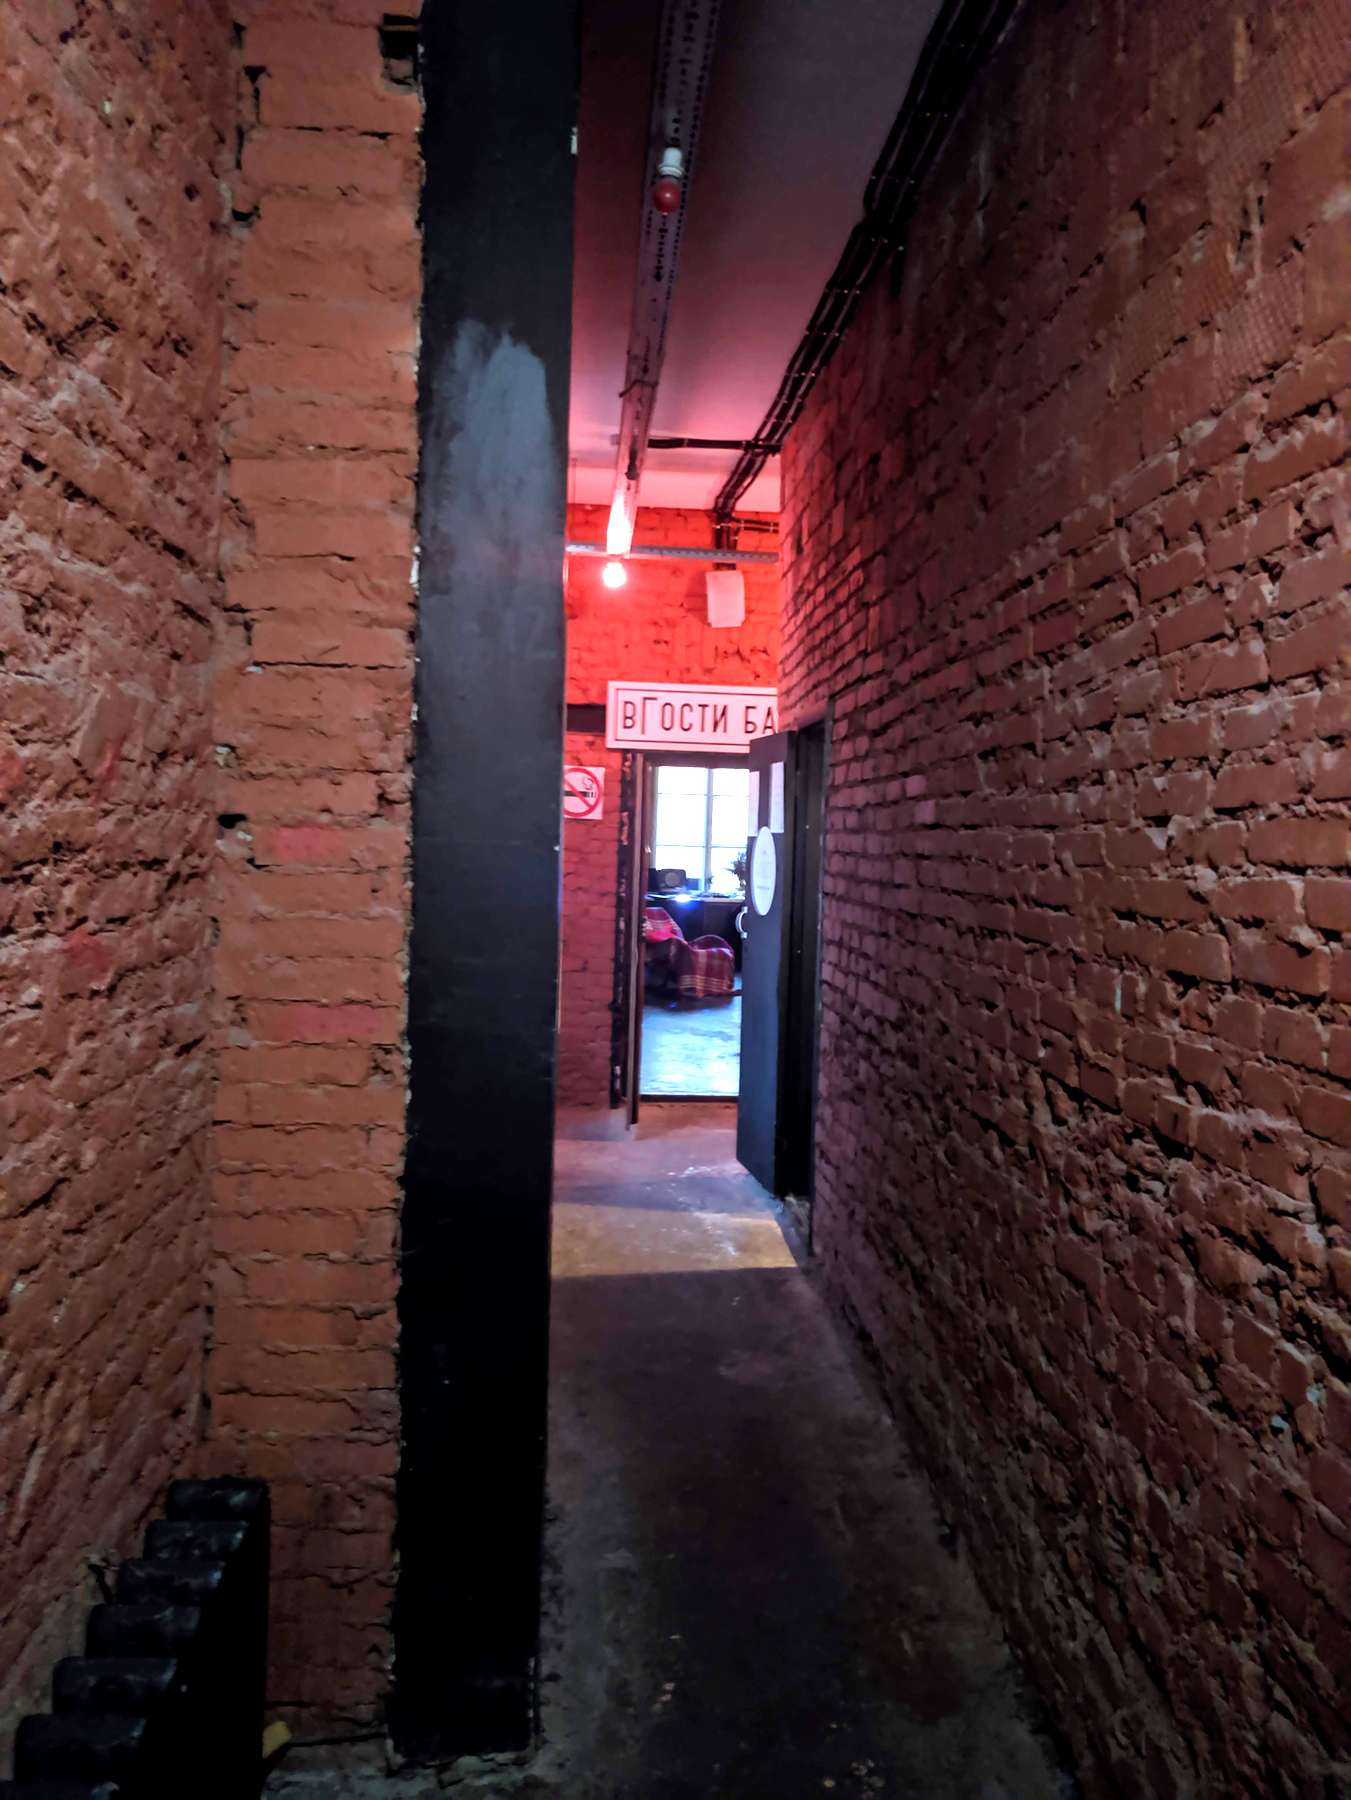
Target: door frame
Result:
[800, 1065]
[627, 919]
[640, 831]
[635, 833]
[788, 1154]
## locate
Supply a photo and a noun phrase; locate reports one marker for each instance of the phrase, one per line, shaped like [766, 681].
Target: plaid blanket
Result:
[708, 967]
[703, 968]
[659, 927]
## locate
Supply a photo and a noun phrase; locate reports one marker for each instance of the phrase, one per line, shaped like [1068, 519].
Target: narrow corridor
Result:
[871, 485]
[752, 1593]
[748, 1593]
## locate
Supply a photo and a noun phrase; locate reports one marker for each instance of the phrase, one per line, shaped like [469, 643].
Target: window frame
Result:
[706, 766]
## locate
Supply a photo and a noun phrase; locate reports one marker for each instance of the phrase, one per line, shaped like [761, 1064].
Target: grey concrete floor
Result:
[692, 1047]
[750, 1597]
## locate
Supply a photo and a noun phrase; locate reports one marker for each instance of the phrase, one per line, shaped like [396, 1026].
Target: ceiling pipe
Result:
[695, 443]
[684, 48]
[676, 553]
[960, 42]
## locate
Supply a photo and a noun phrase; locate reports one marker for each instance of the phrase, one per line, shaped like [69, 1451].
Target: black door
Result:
[757, 1110]
[780, 969]
[806, 768]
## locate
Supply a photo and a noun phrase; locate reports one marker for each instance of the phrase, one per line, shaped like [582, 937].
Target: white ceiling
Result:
[801, 97]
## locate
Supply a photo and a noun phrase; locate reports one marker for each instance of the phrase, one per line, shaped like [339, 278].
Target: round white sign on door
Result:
[764, 870]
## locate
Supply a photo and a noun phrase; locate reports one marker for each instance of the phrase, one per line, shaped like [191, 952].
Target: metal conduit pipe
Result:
[674, 553]
[961, 40]
[697, 443]
[684, 49]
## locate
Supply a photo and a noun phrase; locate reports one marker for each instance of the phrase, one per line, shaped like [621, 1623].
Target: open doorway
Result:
[776, 1111]
[694, 896]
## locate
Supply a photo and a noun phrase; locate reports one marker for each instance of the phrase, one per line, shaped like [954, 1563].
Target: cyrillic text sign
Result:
[659, 716]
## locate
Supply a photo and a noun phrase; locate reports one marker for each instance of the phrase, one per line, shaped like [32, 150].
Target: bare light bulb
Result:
[614, 575]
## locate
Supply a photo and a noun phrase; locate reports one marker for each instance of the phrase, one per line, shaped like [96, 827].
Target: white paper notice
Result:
[776, 796]
[753, 804]
[764, 871]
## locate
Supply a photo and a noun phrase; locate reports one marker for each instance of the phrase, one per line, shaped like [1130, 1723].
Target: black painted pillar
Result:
[499, 82]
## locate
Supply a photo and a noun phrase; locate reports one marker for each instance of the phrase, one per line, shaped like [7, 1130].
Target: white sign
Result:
[776, 796]
[726, 590]
[659, 716]
[583, 792]
[764, 871]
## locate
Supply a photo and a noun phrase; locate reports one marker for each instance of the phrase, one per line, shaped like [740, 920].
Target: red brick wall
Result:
[312, 741]
[590, 884]
[111, 124]
[653, 629]
[1068, 543]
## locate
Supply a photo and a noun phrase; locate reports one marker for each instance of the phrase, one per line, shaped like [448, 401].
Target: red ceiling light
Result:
[670, 173]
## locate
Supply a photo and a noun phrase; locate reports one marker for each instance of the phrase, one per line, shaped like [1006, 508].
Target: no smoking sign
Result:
[583, 792]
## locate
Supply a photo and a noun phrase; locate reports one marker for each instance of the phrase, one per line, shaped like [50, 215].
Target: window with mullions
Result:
[701, 825]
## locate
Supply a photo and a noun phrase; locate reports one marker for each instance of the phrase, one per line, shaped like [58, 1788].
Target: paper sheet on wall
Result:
[753, 804]
[776, 796]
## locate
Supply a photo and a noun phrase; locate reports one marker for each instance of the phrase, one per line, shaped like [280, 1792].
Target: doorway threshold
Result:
[684, 1099]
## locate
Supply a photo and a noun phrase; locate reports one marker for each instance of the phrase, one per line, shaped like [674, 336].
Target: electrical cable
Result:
[961, 40]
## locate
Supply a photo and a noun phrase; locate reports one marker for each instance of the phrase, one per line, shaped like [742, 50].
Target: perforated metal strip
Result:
[684, 50]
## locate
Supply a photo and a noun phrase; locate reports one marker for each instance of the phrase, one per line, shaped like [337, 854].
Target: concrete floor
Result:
[750, 1595]
[692, 1047]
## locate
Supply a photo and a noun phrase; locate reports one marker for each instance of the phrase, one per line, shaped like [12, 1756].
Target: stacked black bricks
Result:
[168, 1697]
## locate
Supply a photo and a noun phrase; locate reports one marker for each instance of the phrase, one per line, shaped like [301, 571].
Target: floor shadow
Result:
[755, 1595]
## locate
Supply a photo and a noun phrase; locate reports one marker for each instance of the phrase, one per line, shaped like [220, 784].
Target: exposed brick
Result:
[1222, 671]
[1314, 578]
[1316, 161]
[1192, 624]
[1324, 645]
[1272, 964]
[1249, 727]
[1026, 945]
[1242, 785]
[1212, 440]
[1327, 904]
[1328, 1115]
[1327, 305]
[350, 164]
[1276, 902]
[1301, 843]
[316, 709]
[1178, 952]
[1319, 376]
[1302, 451]
[1191, 953]
[111, 342]
[1157, 580]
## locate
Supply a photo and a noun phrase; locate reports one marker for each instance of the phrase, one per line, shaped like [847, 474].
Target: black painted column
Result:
[499, 82]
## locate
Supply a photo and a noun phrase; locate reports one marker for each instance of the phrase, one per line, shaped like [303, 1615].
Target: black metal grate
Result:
[168, 1698]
